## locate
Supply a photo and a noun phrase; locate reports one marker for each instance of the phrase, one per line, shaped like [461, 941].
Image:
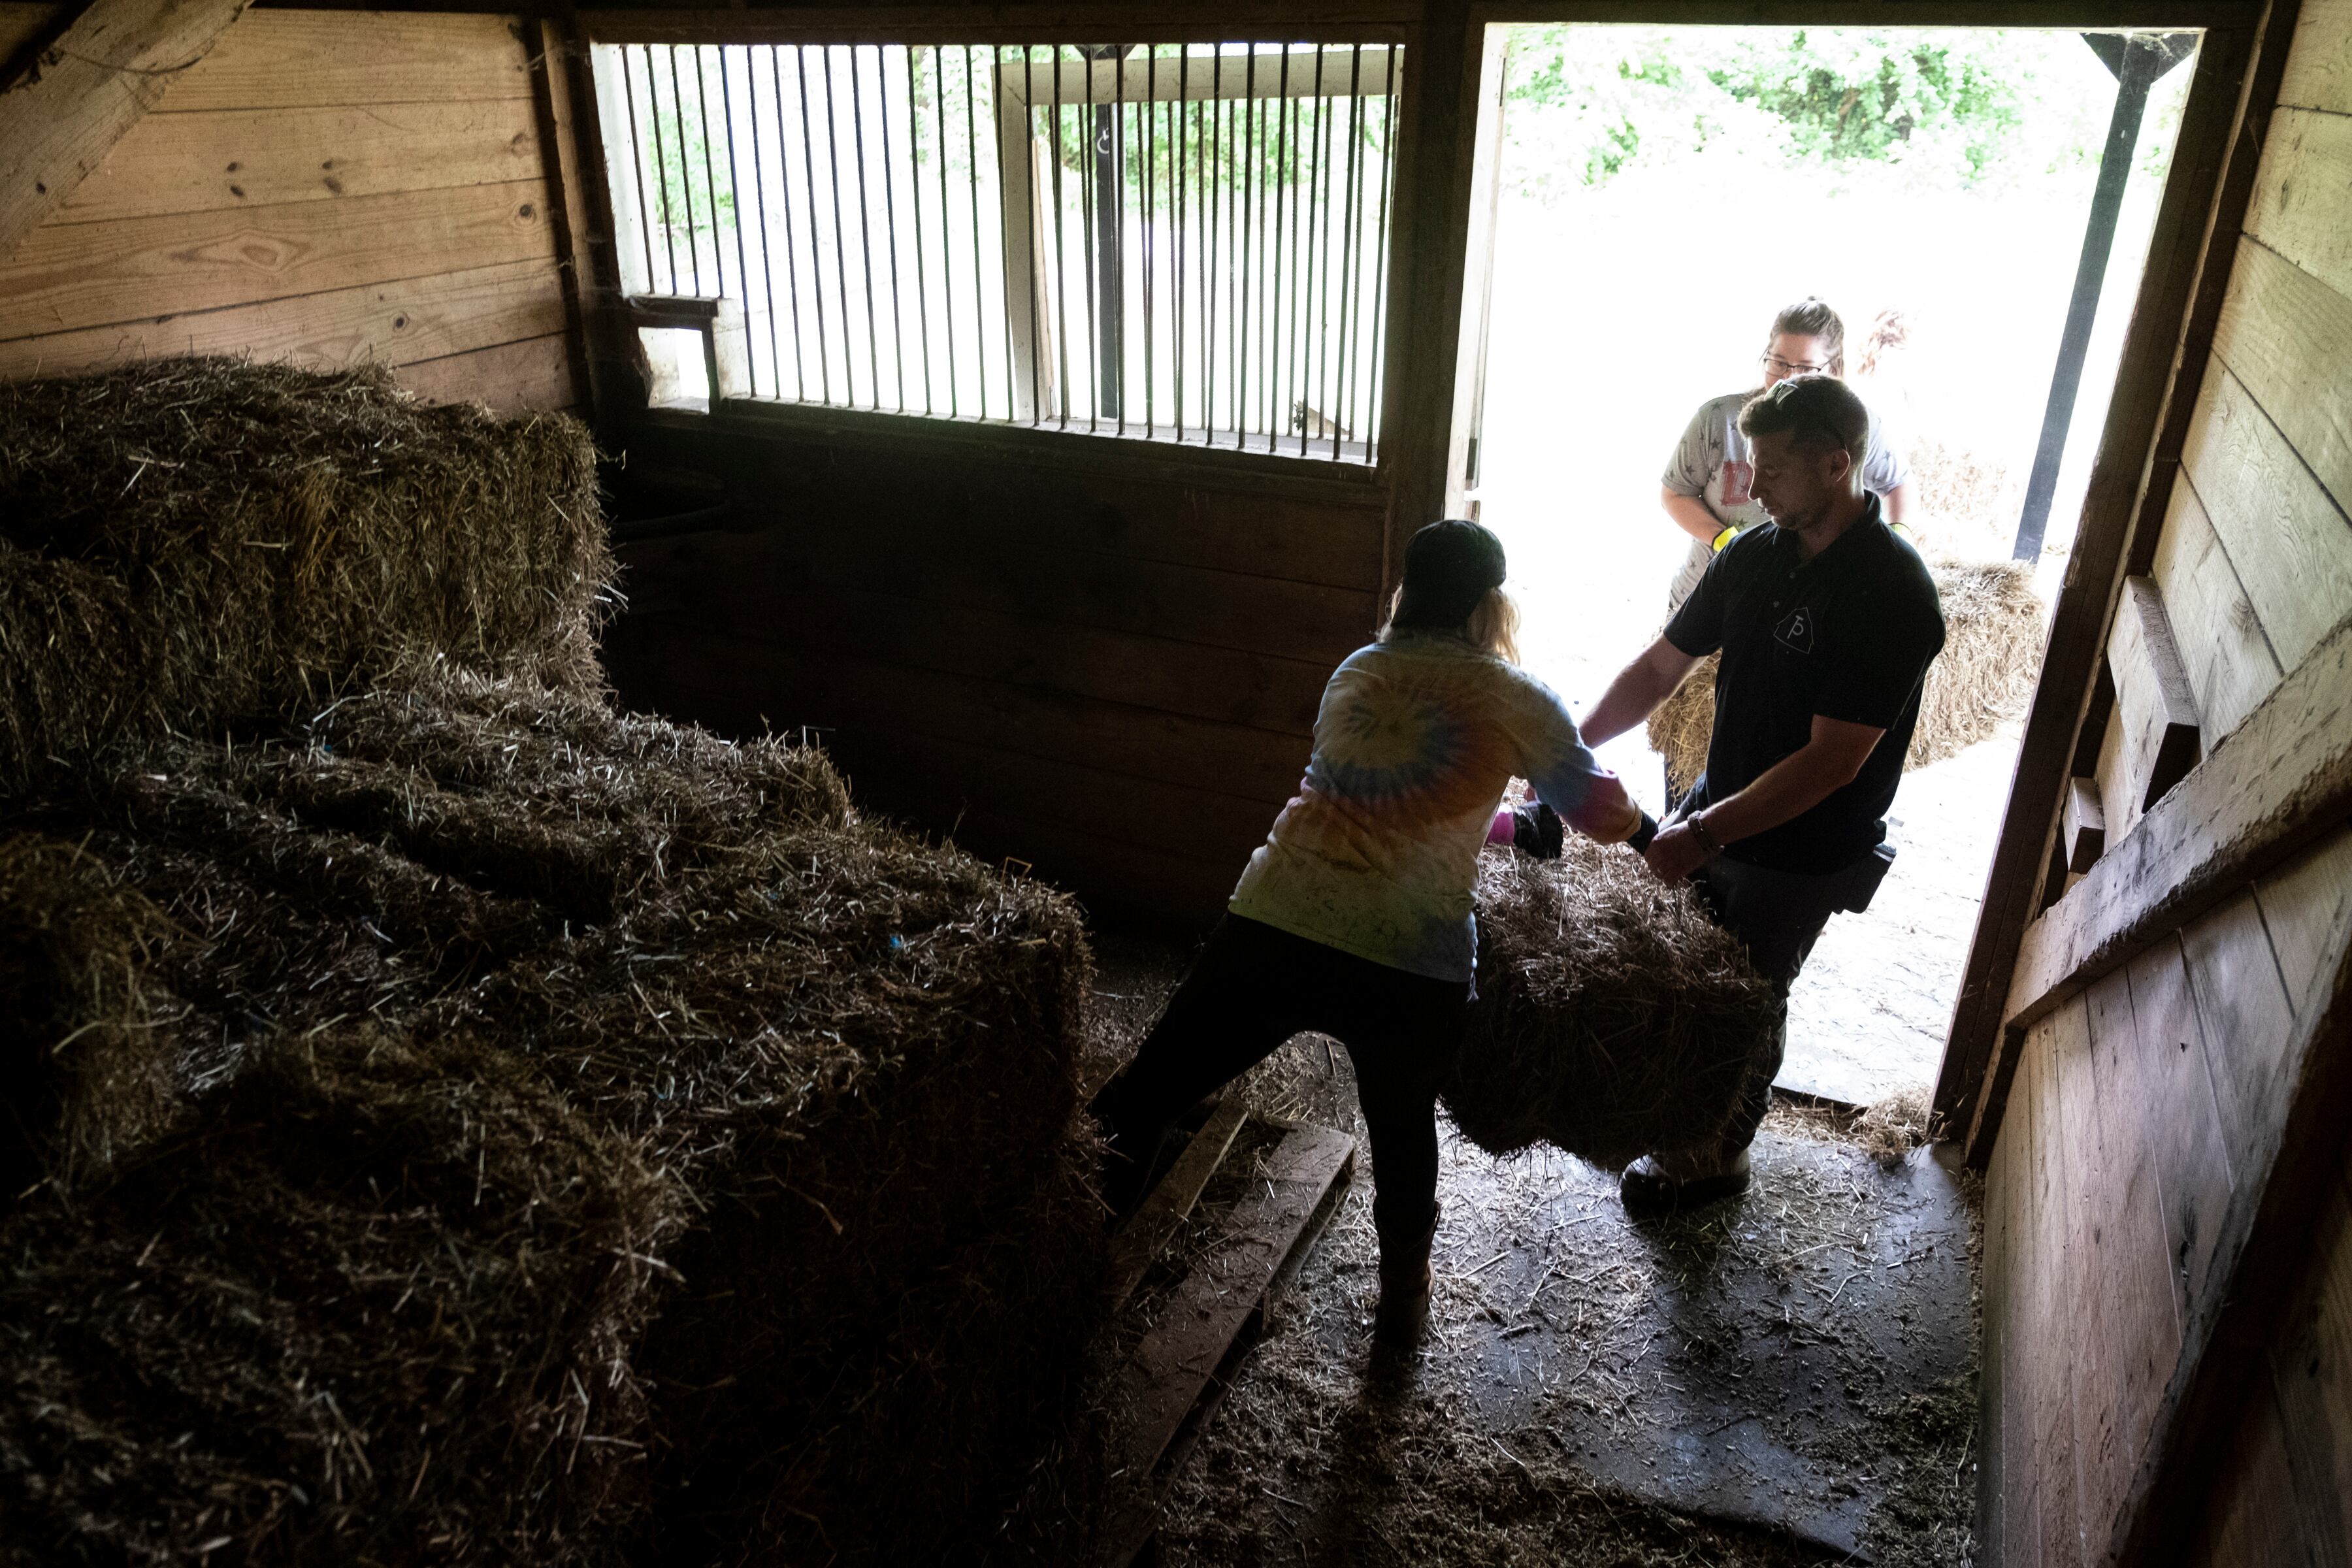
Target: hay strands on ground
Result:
[1170, 1390]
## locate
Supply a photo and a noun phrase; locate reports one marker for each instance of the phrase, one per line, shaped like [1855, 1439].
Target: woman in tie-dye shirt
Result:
[1354, 917]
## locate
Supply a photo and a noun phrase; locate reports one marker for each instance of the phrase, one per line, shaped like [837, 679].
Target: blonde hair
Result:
[1493, 624]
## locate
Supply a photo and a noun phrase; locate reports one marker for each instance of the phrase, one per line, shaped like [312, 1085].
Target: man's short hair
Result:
[1818, 413]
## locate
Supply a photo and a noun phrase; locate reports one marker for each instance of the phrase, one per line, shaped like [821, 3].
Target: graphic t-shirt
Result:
[1712, 461]
[1413, 744]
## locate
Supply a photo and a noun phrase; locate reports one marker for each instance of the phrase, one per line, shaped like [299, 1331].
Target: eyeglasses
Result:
[1784, 368]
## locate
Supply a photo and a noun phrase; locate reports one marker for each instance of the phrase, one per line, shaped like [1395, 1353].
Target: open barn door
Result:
[1478, 283]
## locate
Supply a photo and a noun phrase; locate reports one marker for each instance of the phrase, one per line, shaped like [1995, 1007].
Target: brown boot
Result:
[1403, 1311]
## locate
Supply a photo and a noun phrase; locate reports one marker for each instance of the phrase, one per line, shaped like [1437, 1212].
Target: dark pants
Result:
[1253, 988]
[1778, 915]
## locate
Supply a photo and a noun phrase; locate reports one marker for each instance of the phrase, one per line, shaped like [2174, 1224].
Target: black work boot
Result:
[1656, 1185]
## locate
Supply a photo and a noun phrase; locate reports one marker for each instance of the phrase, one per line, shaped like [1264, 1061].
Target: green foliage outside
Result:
[1952, 108]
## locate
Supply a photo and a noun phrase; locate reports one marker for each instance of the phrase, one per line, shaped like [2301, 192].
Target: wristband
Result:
[1726, 537]
[1706, 840]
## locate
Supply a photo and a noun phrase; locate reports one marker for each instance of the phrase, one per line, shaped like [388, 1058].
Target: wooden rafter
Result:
[61, 116]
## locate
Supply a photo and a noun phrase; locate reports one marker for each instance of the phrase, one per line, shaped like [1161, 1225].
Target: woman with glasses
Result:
[1706, 483]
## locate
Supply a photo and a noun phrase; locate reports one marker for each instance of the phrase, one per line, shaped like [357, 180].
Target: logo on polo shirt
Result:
[1796, 631]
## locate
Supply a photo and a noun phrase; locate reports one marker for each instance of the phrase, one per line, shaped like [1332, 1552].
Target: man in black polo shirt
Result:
[1827, 622]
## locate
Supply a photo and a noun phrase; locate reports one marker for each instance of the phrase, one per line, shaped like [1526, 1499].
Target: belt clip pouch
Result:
[1859, 883]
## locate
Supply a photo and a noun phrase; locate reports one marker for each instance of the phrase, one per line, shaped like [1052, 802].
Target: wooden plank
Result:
[1149, 1230]
[2248, 1022]
[2137, 1321]
[1178, 20]
[2057, 1287]
[2319, 72]
[237, 158]
[2291, 543]
[92, 274]
[2155, 719]
[732, 583]
[569, 198]
[2307, 908]
[2299, 197]
[2287, 337]
[2252, 1507]
[397, 323]
[2311, 1362]
[1134, 511]
[835, 688]
[2183, 1123]
[295, 60]
[2079, 1325]
[534, 375]
[2280, 781]
[1216, 1304]
[2182, 287]
[2230, 666]
[113, 62]
[2024, 1354]
[2084, 830]
[2000, 1287]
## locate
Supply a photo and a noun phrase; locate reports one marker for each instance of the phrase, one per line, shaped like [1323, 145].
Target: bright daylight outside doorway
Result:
[1663, 193]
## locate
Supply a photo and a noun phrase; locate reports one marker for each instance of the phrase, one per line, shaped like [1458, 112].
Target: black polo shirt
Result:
[1847, 635]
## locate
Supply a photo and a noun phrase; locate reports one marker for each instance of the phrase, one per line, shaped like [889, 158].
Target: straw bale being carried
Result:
[195, 542]
[1982, 679]
[1613, 1017]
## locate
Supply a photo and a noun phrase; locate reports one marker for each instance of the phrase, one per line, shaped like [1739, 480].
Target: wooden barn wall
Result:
[326, 187]
[1104, 665]
[2151, 1109]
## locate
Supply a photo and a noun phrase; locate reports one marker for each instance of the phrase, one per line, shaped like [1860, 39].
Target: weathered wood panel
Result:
[2290, 542]
[2061, 1046]
[2319, 73]
[85, 274]
[2255, 1520]
[21, 24]
[2230, 666]
[238, 158]
[291, 60]
[2301, 194]
[539, 374]
[2307, 909]
[2182, 1121]
[396, 323]
[2287, 337]
[2311, 1362]
[2154, 725]
[2243, 1005]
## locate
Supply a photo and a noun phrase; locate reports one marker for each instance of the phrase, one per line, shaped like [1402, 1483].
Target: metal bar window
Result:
[1180, 242]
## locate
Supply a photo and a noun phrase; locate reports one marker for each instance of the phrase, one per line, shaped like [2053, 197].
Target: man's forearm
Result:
[1782, 793]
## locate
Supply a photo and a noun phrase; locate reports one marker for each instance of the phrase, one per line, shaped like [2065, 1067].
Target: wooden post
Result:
[106, 70]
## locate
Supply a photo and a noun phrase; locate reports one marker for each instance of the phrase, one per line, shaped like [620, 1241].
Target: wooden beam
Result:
[2282, 780]
[2158, 373]
[86, 88]
[1150, 1229]
[2156, 711]
[1368, 21]
[2086, 826]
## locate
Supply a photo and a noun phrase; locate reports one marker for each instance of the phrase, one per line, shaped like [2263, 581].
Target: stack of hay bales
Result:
[572, 1136]
[1984, 678]
[1614, 1018]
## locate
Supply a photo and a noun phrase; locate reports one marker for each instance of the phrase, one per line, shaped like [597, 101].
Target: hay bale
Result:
[373, 1304]
[850, 1055]
[90, 1077]
[198, 542]
[1614, 1018]
[1983, 679]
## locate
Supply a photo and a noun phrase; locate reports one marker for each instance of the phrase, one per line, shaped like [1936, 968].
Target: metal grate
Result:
[1183, 242]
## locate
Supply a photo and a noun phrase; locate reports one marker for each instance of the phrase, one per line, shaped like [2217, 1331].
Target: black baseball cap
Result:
[1449, 566]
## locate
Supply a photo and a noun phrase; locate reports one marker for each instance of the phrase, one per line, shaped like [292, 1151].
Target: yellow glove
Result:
[1726, 537]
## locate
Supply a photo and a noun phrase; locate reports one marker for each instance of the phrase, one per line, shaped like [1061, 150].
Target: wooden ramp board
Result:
[1152, 1226]
[1180, 1373]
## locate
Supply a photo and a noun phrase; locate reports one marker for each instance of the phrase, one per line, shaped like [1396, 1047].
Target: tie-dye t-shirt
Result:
[1414, 743]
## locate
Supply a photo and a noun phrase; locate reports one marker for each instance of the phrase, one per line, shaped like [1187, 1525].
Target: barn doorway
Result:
[1975, 204]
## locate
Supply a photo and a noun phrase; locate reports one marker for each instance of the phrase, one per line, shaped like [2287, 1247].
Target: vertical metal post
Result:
[2138, 60]
[1106, 156]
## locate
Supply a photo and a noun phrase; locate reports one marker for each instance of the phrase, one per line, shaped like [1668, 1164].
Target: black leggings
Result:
[1253, 988]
